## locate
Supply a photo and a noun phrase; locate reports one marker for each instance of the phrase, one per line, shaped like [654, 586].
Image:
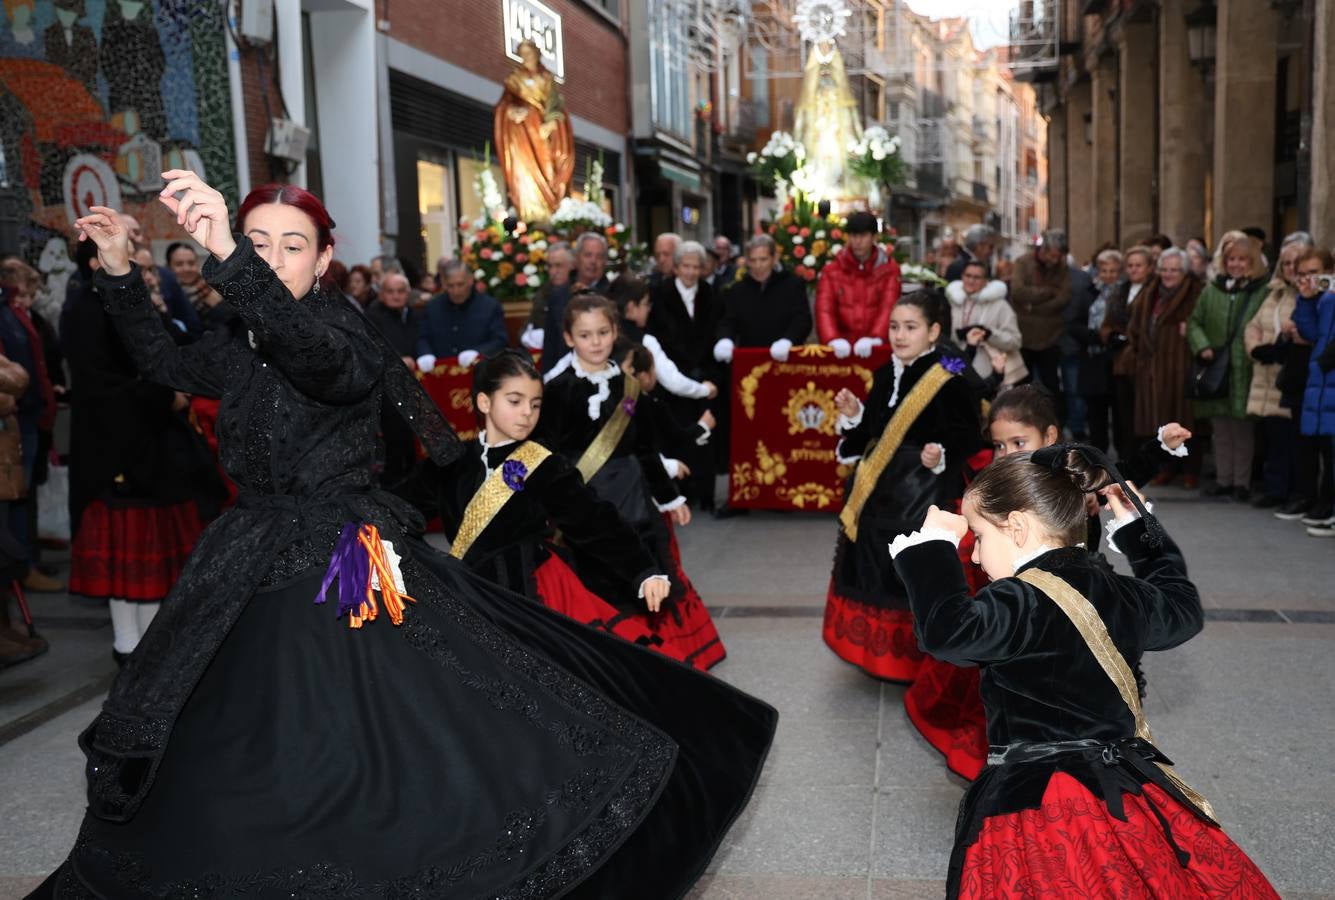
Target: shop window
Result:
[439, 224]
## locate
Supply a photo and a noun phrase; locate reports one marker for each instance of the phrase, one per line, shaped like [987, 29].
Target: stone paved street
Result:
[853, 804]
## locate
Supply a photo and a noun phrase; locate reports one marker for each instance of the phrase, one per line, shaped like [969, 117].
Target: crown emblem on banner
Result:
[811, 409]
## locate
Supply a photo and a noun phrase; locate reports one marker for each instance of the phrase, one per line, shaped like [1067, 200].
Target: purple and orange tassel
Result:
[364, 565]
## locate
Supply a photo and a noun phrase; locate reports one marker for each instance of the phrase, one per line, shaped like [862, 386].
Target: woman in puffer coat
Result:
[1267, 344]
[1226, 305]
[1315, 319]
[976, 303]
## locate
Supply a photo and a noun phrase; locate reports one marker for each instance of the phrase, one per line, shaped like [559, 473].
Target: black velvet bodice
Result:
[1040, 682]
[606, 553]
[566, 428]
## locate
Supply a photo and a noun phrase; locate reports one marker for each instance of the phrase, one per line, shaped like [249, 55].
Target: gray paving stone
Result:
[800, 830]
[820, 751]
[752, 887]
[914, 832]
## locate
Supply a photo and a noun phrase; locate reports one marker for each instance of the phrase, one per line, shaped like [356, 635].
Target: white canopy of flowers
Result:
[876, 142]
[781, 144]
[571, 210]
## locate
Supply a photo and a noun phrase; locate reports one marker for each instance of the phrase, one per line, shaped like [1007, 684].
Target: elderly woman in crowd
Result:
[1215, 332]
[1158, 347]
[685, 319]
[1094, 373]
[1139, 263]
[1267, 338]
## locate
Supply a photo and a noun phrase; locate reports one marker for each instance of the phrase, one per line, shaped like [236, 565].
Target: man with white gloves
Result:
[856, 292]
[767, 307]
[462, 322]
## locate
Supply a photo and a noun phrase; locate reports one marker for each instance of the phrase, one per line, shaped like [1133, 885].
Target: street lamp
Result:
[1201, 34]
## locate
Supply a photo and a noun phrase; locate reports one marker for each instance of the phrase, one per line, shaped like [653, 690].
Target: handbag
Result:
[1208, 379]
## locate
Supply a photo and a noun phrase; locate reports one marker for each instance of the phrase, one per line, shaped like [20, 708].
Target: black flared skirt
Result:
[487, 747]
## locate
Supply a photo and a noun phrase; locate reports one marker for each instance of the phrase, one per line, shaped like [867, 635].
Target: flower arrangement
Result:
[875, 157]
[807, 240]
[511, 264]
[776, 162]
[914, 273]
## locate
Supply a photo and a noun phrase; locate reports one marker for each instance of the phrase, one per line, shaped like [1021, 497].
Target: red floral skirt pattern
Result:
[879, 640]
[687, 624]
[943, 703]
[562, 590]
[132, 552]
[1072, 847]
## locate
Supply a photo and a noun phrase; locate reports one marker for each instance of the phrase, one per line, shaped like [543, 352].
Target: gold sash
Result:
[873, 464]
[492, 495]
[1087, 621]
[600, 450]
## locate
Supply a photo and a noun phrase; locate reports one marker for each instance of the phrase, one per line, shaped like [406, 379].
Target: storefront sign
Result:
[530, 20]
[781, 455]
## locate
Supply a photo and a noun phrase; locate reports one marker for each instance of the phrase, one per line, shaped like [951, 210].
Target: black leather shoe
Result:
[1266, 501]
[121, 658]
[1294, 510]
[1242, 494]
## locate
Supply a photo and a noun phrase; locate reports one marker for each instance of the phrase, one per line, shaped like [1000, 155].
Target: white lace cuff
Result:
[652, 578]
[673, 466]
[904, 541]
[941, 466]
[848, 423]
[1181, 451]
[670, 505]
[1118, 524]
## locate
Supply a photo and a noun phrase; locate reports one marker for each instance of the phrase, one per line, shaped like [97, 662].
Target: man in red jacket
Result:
[856, 292]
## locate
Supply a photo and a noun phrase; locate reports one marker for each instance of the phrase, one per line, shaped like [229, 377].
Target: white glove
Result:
[841, 348]
[426, 362]
[532, 338]
[723, 350]
[468, 357]
[778, 351]
[864, 345]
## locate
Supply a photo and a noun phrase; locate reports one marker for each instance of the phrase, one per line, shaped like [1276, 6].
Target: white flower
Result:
[539, 245]
[530, 269]
[835, 248]
[612, 253]
[494, 281]
[780, 152]
[621, 229]
[751, 158]
[809, 259]
[820, 234]
[479, 274]
[797, 240]
[534, 281]
[878, 154]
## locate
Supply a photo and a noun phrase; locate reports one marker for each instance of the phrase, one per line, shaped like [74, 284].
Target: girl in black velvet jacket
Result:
[520, 516]
[1076, 800]
[907, 444]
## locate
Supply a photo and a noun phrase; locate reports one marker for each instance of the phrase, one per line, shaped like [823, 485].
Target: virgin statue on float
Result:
[534, 140]
[826, 122]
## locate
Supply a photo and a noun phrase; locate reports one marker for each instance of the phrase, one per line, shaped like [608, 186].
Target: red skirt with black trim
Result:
[943, 702]
[877, 639]
[132, 552]
[687, 624]
[1071, 846]
[561, 589]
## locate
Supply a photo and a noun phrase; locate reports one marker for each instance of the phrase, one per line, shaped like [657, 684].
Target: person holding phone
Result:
[982, 320]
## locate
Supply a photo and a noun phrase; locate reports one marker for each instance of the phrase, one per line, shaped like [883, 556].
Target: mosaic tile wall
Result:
[97, 97]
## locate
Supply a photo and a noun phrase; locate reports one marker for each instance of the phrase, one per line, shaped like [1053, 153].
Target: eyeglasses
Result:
[1177, 271]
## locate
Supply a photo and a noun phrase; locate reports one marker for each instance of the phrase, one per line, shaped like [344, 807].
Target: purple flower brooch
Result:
[952, 364]
[513, 473]
[628, 404]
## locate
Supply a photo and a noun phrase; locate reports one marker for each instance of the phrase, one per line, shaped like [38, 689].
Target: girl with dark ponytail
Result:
[1075, 798]
[503, 505]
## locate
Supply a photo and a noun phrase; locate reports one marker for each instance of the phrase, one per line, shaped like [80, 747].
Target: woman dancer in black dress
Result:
[453, 742]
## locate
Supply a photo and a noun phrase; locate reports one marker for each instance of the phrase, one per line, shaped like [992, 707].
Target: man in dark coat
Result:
[463, 322]
[398, 322]
[979, 242]
[765, 308]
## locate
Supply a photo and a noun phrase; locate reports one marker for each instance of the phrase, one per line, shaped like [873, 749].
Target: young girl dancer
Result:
[1076, 799]
[564, 760]
[909, 440]
[503, 504]
[591, 419]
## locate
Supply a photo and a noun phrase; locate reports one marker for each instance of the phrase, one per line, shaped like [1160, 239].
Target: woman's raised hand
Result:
[200, 209]
[103, 227]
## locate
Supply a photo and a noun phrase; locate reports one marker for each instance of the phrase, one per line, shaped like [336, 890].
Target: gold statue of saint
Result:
[534, 140]
[827, 120]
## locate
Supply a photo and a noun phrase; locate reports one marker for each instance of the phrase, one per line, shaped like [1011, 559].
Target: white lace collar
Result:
[1025, 559]
[900, 367]
[482, 439]
[601, 379]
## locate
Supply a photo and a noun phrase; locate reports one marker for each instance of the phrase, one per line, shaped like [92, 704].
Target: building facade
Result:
[1186, 117]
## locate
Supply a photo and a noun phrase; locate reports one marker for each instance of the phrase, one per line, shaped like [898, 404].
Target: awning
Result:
[683, 177]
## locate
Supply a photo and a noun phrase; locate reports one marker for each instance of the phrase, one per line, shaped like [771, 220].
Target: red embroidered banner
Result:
[781, 455]
[450, 386]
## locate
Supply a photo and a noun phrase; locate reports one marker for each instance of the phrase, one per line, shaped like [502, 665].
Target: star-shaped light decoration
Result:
[821, 21]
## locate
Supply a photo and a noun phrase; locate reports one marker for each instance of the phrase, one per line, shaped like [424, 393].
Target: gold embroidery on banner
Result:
[1091, 627]
[810, 494]
[811, 409]
[748, 386]
[878, 457]
[493, 494]
[817, 350]
[596, 455]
